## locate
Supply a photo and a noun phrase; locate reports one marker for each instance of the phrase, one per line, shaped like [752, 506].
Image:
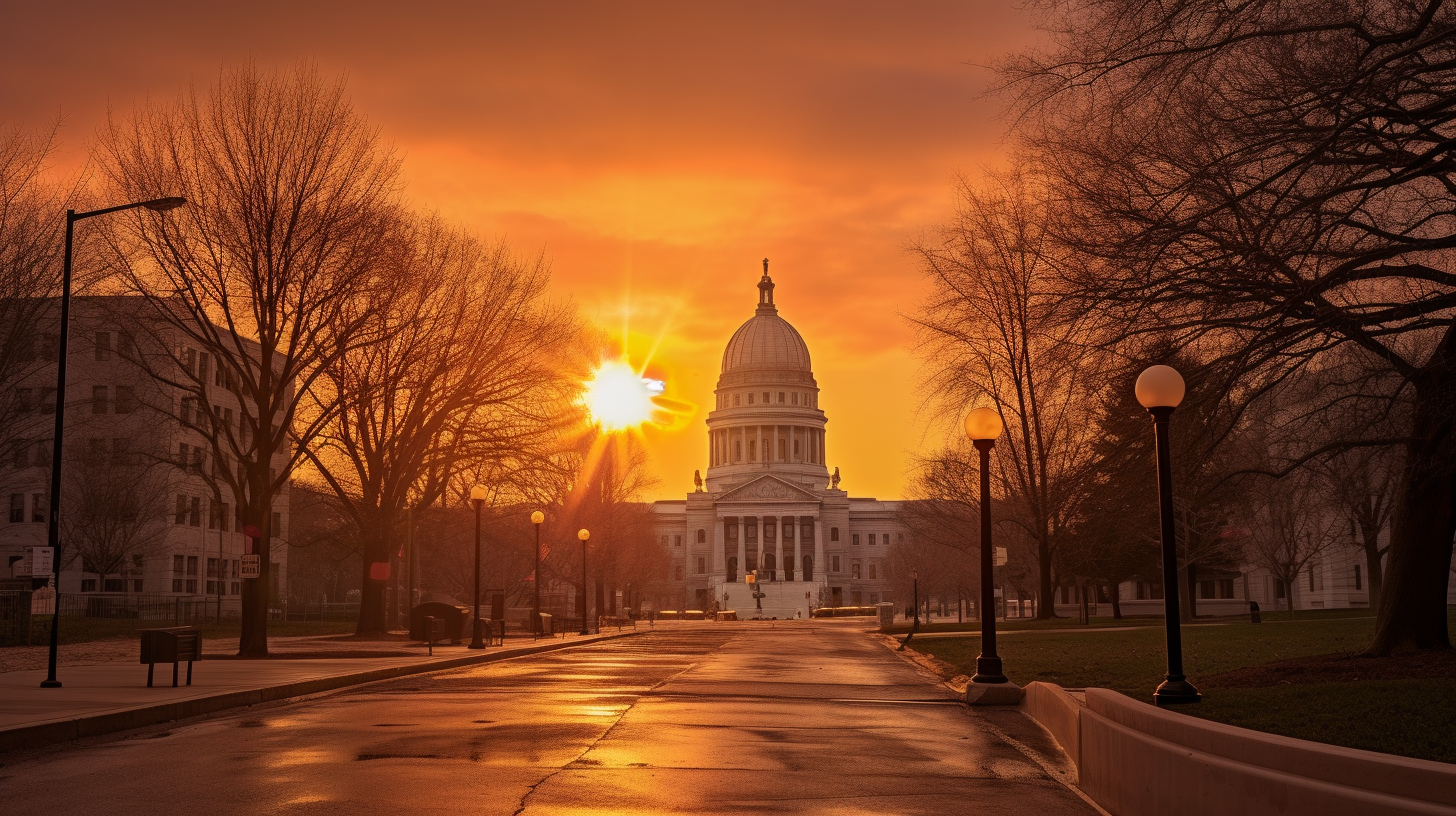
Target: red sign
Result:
[379, 571]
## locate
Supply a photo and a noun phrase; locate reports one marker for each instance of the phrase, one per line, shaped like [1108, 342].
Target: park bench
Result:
[173, 644]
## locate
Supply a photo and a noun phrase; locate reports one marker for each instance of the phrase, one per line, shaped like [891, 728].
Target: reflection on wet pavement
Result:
[797, 718]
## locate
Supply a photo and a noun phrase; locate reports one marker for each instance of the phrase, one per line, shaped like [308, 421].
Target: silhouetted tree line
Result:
[378, 354]
[1259, 194]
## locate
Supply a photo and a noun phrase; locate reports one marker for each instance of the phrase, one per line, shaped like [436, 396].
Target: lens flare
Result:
[618, 397]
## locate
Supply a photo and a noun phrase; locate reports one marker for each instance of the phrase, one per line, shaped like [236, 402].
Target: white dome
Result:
[766, 341]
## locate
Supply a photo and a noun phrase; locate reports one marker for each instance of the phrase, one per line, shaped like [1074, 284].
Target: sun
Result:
[619, 398]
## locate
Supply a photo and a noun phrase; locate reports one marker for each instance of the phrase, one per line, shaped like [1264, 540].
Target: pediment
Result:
[768, 488]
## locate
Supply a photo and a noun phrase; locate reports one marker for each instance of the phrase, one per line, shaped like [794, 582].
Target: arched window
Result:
[808, 568]
[737, 450]
[702, 536]
[833, 533]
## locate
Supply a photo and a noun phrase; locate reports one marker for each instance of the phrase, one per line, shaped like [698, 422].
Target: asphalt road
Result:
[803, 717]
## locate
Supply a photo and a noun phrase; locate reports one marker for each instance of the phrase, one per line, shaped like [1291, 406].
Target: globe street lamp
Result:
[1159, 389]
[53, 530]
[536, 519]
[583, 534]
[983, 426]
[477, 497]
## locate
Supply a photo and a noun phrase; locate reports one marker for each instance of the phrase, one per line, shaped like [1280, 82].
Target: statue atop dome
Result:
[765, 292]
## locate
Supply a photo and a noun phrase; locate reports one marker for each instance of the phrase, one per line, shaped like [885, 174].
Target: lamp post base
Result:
[988, 670]
[1176, 690]
[475, 640]
[50, 684]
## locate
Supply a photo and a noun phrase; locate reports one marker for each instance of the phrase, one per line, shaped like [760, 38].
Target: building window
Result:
[177, 585]
[136, 585]
[103, 346]
[702, 565]
[834, 564]
[750, 534]
[735, 400]
[677, 541]
[750, 398]
[98, 399]
[192, 565]
[125, 399]
[781, 398]
[1357, 570]
[854, 569]
[181, 517]
[702, 536]
[191, 586]
[194, 514]
[854, 539]
[17, 508]
[788, 529]
[237, 588]
[765, 398]
[872, 570]
[783, 449]
[834, 535]
[737, 450]
[796, 398]
[88, 584]
[39, 507]
[872, 539]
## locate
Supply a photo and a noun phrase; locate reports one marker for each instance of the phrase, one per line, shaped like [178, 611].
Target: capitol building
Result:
[769, 502]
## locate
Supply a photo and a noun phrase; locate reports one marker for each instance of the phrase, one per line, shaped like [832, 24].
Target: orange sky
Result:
[655, 151]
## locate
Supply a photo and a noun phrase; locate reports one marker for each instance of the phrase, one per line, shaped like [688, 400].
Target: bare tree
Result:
[31, 215]
[116, 510]
[1270, 181]
[268, 276]
[993, 327]
[467, 375]
[1292, 527]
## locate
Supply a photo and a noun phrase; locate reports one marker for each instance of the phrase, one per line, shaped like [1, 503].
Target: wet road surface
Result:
[806, 717]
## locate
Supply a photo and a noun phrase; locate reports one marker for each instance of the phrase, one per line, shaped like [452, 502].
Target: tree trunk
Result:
[1116, 603]
[1044, 581]
[1373, 571]
[372, 608]
[253, 642]
[1412, 612]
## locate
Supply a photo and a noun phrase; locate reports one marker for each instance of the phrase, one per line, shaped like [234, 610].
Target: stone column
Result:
[742, 546]
[820, 567]
[779, 540]
[720, 563]
[798, 552]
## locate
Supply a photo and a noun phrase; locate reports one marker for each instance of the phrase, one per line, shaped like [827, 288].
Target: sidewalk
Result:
[101, 699]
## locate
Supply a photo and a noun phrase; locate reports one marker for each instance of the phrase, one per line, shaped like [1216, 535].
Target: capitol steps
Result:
[781, 599]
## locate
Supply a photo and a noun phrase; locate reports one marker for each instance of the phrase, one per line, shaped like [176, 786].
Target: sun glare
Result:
[619, 398]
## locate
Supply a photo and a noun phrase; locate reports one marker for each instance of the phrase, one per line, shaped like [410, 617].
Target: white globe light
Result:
[478, 493]
[538, 517]
[583, 534]
[984, 423]
[1159, 386]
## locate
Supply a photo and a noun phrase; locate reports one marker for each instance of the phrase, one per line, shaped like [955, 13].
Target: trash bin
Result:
[1254, 612]
[452, 616]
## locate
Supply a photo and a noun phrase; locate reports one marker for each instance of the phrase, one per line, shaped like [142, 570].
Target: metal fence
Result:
[25, 616]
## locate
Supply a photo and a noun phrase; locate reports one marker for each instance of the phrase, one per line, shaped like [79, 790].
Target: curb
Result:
[36, 736]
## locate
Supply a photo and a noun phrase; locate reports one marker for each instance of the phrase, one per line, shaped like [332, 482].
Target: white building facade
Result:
[769, 503]
[123, 422]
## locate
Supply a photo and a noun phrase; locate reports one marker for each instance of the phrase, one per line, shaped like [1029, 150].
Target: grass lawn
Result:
[1413, 717]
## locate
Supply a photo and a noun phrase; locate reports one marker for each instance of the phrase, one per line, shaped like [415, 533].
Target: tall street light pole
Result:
[583, 534]
[53, 529]
[983, 425]
[1159, 389]
[536, 519]
[477, 497]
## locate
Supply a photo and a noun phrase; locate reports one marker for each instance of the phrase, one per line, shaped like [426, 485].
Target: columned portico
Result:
[768, 503]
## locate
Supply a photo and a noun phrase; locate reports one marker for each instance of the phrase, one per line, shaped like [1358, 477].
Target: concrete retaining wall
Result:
[1135, 759]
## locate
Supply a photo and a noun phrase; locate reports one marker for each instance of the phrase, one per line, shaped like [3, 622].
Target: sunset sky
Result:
[655, 152]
